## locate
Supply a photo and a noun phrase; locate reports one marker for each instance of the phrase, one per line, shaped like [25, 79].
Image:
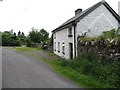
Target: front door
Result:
[71, 50]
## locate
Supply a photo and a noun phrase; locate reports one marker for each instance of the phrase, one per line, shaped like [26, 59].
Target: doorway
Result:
[71, 50]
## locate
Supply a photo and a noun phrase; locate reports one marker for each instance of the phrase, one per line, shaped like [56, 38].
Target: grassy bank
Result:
[89, 71]
[83, 70]
[81, 79]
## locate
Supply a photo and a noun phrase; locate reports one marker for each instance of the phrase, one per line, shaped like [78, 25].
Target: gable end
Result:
[112, 11]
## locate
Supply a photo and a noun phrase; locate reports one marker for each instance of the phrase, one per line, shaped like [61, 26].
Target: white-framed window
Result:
[63, 48]
[58, 46]
[54, 46]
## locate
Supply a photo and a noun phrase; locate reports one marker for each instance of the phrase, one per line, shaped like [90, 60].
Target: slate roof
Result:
[86, 12]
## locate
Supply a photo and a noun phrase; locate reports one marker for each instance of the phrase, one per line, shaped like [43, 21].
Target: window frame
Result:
[54, 46]
[70, 33]
[63, 48]
[58, 46]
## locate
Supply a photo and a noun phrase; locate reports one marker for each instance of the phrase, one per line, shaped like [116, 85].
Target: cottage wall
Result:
[96, 22]
[62, 37]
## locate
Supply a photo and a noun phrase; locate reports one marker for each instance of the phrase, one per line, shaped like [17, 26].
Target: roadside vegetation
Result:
[90, 71]
[33, 39]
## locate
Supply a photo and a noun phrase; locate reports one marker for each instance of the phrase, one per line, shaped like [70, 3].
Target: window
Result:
[63, 48]
[70, 32]
[55, 46]
[58, 46]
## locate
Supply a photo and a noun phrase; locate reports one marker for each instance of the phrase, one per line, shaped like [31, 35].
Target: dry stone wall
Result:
[105, 48]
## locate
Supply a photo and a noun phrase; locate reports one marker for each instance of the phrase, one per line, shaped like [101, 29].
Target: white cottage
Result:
[96, 19]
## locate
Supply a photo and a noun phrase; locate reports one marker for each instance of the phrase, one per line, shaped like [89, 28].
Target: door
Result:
[71, 50]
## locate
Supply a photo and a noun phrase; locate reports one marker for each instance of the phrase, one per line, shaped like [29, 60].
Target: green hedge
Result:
[100, 70]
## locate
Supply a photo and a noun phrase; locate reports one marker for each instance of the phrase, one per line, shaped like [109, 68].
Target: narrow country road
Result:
[20, 71]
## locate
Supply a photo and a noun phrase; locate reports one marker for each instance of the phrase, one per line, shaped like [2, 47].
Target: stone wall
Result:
[50, 47]
[105, 48]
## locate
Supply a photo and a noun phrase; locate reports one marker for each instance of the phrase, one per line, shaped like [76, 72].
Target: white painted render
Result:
[99, 20]
[62, 37]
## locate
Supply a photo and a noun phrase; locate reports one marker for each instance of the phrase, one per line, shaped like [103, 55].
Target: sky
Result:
[22, 15]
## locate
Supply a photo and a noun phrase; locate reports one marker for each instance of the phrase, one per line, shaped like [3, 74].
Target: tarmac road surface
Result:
[20, 71]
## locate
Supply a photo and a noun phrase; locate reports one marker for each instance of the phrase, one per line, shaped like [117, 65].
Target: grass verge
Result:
[26, 49]
[83, 80]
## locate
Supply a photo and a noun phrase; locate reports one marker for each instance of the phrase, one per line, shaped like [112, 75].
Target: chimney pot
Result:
[78, 11]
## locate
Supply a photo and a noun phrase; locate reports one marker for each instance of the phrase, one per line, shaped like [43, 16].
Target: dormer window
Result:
[70, 32]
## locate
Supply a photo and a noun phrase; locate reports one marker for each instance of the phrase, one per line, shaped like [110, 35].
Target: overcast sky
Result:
[48, 14]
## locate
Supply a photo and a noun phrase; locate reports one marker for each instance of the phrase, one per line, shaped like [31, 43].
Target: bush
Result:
[110, 34]
[89, 64]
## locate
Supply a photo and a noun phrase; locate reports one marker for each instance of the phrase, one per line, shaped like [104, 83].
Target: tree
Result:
[34, 35]
[14, 33]
[38, 36]
[28, 41]
[21, 37]
[19, 33]
[23, 34]
[9, 39]
[44, 35]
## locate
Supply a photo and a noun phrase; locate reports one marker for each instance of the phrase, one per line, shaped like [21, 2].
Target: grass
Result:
[83, 80]
[68, 70]
[104, 73]
[26, 49]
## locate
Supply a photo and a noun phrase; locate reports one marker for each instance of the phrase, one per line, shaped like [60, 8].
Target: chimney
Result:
[78, 11]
